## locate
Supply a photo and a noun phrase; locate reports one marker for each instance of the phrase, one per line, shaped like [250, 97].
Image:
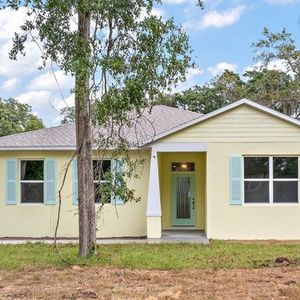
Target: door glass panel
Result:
[183, 190]
[183, 167]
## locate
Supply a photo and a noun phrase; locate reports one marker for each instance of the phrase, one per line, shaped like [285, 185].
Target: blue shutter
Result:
[50, 182]
[74, 182]
[236, 180]
[117, 168]
[11, 182]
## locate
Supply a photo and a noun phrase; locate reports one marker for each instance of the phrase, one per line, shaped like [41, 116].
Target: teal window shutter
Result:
[50, 182]
[236, 180]
[117, 168]
[11, 182]
[74, 182]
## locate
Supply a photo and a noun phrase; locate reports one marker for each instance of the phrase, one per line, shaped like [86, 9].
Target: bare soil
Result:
[111, 283]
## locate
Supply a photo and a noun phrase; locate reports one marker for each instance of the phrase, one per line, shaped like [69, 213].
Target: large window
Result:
[101, 169]
[32, 181]
[271, 179]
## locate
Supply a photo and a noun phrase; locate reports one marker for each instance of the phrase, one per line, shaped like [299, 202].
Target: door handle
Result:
[193, 203]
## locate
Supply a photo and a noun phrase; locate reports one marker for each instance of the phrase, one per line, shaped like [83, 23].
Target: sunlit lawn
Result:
[218, 254]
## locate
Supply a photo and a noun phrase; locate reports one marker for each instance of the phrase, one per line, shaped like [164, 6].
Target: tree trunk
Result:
[87, 227]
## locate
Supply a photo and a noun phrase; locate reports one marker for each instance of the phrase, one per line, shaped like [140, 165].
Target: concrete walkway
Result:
[169, 236]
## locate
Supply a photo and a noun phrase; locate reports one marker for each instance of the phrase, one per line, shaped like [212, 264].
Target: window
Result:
[32, 181]
[271, 179]
[183, 167]
[101, 170]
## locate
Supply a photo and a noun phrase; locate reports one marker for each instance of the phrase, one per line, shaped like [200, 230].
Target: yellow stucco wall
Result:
[38, 220]
[243, 131]
[240, 131]
[165, 163]
[248, 221]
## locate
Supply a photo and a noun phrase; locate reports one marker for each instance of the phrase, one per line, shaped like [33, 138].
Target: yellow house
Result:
[233, 173]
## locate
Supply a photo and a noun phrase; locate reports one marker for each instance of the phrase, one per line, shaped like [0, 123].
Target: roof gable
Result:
[228, 108]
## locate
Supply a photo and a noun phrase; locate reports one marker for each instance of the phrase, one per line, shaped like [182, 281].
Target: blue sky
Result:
[221, 36]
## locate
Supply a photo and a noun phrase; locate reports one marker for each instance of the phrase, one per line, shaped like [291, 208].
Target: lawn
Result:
[216, 255]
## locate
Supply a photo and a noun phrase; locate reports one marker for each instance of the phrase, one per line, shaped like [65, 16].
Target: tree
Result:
[120, 61]
[68, 114]
[17, 117]
[273, 88]
[223, 89]
[273, 82]
[279, 49]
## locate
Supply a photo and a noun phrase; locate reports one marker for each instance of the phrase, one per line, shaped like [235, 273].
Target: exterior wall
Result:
[240, 131]
[38, 220]
[165, 163]
[247, 221]
[243, 131]
[241, 124]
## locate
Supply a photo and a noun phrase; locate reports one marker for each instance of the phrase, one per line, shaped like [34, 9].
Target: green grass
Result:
[218, 254]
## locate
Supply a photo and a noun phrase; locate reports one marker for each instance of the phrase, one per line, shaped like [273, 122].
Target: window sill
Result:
[32, 204]
[271, 204]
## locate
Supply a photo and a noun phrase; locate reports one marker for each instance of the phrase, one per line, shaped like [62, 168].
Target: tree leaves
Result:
[17, 117]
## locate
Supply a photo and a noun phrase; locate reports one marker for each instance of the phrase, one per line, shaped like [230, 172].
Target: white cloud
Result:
[217, 19]
[67, 102]
[176, 1]
[52, 81]
[10, 83]
[10, 21]
[46, 104]
[283, 2]
[221, 67]
[277, 64]
[158, 12]
[154, 12]
[191, 79]
[37, 99]
[24, 65]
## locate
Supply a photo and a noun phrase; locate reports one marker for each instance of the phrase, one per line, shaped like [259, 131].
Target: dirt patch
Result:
[107, 283]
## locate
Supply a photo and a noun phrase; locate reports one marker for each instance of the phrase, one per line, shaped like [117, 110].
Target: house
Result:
[233, 173]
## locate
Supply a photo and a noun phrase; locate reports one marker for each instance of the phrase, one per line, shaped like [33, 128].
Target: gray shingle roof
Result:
[144, 129]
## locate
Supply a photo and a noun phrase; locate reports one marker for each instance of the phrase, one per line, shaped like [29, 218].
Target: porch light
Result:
[183, 165]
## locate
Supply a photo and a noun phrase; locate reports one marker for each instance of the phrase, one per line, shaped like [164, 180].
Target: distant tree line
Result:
[16, 117]
[275, 87]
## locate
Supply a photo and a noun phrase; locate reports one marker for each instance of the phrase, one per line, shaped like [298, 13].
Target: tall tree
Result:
[121, 56]
[279, 51]
[16, 117]
[221, 90]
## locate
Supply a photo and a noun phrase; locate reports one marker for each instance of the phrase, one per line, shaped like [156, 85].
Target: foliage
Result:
[216, 255]
[280, 48]
[131, 57]
[17, 117]
[275, 87]
[68, 115]
[222, 90]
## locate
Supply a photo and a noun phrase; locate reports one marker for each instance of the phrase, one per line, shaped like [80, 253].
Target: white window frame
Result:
[271, 180]
[30, 181]
[102, 181]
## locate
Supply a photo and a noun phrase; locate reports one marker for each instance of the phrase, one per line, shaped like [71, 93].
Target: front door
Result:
[183, 200]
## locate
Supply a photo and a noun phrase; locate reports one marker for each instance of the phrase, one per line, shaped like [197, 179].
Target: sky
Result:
[220, 36]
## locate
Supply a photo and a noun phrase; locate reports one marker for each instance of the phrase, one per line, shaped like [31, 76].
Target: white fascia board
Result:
[180, 147]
